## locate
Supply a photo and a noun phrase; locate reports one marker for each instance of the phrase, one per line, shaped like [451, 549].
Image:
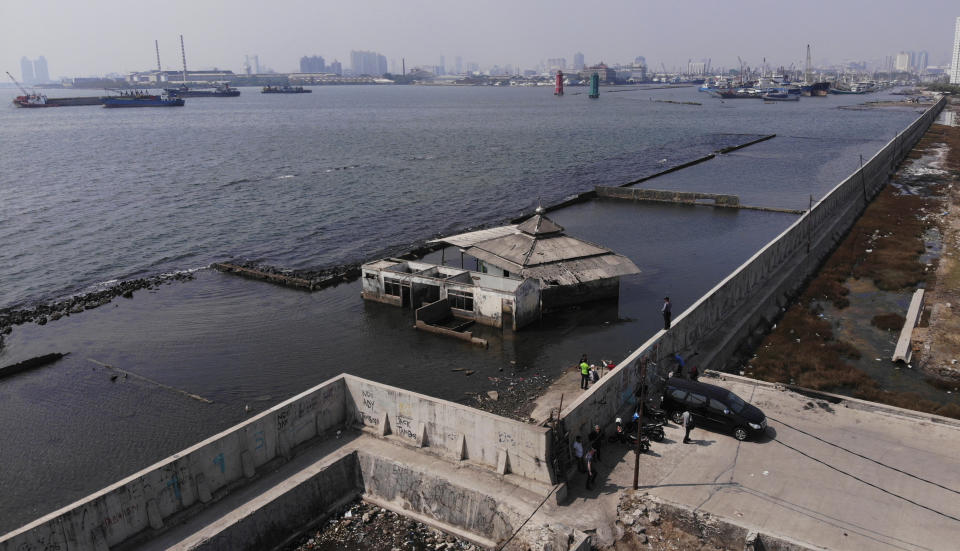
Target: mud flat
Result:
[839, 335]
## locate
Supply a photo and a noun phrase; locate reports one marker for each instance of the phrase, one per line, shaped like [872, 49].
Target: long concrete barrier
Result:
[752, 296]
[143, 505]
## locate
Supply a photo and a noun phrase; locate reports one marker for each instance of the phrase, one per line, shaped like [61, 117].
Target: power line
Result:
[825, 464]
[867, 458]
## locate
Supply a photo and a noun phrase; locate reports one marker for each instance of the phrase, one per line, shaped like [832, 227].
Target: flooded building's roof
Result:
[538, 248]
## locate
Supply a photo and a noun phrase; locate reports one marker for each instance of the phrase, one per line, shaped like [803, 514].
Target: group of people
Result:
[587, 459]
[589, 373]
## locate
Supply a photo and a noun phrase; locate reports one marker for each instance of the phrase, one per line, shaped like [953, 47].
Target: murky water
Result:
[370, 170]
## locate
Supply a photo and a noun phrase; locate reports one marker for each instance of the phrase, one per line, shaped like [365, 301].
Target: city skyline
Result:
[80, 42]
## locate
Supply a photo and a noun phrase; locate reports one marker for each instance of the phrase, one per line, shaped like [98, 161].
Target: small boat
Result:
[139, 99]
[286, 89]
[222, 90]
[780, 95]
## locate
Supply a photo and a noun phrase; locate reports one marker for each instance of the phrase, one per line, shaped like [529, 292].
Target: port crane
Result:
[22, 89]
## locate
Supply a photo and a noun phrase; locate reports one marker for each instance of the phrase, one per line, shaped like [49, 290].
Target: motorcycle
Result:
[653, 431]
[626, 436]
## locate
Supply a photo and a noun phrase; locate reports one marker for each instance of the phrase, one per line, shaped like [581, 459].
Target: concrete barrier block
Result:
[246, 459]
[503, 462]
[422, 435]
[153, 514]
[383, 427]
[203, 489]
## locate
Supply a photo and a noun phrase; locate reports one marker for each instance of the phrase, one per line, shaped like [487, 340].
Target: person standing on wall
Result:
[584, 373]
[687, 426]
[665, 310]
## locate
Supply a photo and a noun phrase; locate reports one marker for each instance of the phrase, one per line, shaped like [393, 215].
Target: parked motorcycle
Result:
[625, 436]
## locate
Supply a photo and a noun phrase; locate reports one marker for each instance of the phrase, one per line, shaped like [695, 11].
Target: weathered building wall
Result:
[526, 307]
[453, 430]
[750, 297]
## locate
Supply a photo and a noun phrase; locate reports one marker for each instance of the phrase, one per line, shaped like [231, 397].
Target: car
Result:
[713, 405]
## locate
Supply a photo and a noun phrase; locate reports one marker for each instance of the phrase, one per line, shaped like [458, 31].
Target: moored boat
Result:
[41, 100]
[222, 90]
[142, 100]
[286, 89]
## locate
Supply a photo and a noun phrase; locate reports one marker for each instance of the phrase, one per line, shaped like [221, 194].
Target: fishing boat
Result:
[780, 95]
[222, 90]
[139, 99]
[286, 89]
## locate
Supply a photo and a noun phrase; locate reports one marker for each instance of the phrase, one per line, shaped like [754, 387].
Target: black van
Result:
[713, 405]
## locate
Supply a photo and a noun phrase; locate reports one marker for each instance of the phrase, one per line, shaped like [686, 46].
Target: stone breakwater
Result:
[311, 280]
[45, 313]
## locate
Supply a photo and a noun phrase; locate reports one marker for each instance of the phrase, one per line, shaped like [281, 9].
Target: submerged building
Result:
[520, 272]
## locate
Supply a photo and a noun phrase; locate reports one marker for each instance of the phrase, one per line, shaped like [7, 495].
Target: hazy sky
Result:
[89, 37]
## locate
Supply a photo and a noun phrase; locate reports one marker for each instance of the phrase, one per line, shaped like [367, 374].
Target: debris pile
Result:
[513, 395]
[366, 527]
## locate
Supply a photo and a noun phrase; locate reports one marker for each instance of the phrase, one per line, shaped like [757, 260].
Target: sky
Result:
[96, 37]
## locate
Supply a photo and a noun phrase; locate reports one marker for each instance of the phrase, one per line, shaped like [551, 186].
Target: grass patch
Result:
[888, 322]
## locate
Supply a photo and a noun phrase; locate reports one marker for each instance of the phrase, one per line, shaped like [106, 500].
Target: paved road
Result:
[799, 485]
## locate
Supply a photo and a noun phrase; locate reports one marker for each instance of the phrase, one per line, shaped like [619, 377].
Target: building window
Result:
[461, 300]
[391, 287]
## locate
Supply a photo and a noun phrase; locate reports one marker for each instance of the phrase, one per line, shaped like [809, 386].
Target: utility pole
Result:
[643, 396]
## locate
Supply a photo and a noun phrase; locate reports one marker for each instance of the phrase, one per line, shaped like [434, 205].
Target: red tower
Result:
[558, 91]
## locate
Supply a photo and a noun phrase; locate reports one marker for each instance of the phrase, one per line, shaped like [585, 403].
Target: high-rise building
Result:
[578, 63]
[458, 65]
[555, 64]
[256, 64]
[442, 69]
[40, 72]
[26, 70]
[955, 66]
[312, 64]
[920, 61]
[639, 60]
[902, 62]
[336, 68]
[367, 63]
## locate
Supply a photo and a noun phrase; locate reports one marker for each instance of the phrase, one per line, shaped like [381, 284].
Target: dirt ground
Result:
[839, 336]
[940, 341]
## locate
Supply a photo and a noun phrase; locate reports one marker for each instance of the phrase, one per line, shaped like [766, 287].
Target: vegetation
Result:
[943, 87]
[883, 246]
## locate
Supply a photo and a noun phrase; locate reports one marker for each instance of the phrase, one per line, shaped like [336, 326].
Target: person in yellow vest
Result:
[584, 374]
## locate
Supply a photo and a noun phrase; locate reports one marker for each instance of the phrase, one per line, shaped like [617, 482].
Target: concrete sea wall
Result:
[451, 430]
[145, 504]
[754, 294]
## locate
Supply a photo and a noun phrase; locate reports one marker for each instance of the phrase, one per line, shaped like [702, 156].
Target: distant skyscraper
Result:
[256, 64]
[443, 66]
[367, 63]
[578, 63]
[26, 70]
[920, 61]
[639, 60]
[902, 63]
[40, 71]
[336, 68]
[555, 64]
[312, 64]
[458, 65]
[955, 66]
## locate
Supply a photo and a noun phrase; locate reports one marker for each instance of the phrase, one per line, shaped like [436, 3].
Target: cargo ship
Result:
[41, 100]
[142, 100]
[285, 90]
[220, 91]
